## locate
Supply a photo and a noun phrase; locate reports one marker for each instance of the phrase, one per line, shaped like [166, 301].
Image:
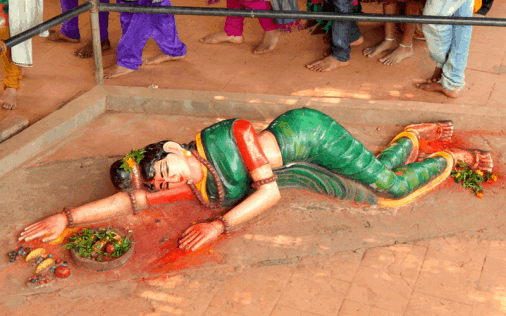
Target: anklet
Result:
[390, 39]
[406, 46]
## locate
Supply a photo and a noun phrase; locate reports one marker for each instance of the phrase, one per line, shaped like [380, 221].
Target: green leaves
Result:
[472, 179]
[85, 240]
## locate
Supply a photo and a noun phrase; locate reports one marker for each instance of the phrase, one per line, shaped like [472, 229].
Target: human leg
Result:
[86, 51]
[340, 45]
[69, 30]
[271, 34]
[232, 32]
[137, 29]
[453, 78]
[405, 49]
[388, 43]
[445, 49]
[12, 76]
[165, 35]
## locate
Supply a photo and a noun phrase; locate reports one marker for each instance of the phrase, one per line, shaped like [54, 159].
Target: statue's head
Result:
[155, 167]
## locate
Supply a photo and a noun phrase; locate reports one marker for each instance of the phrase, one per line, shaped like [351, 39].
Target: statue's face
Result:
[171, 172]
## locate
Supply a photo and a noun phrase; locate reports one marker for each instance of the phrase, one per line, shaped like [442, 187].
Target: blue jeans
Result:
[449, 44]
[341, 32]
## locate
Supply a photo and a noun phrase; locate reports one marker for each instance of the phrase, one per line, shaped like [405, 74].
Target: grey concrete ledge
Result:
[267, 107]
[53, 129]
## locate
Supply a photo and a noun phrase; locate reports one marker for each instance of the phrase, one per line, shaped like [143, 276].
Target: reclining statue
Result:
[229, 165]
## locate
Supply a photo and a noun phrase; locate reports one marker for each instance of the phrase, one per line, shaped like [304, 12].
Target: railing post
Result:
[97, 45]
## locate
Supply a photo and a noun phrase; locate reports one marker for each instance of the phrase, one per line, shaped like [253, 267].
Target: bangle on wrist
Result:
[226, 225]
[133, 200]
[70, 220]
[259, 183]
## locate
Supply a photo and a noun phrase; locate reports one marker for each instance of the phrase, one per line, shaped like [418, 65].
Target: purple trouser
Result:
[70, 28]
[137, 28]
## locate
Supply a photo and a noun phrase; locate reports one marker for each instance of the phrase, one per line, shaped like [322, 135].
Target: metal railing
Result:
[95, 6]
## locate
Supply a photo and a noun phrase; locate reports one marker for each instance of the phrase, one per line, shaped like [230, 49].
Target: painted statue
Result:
[229, 165]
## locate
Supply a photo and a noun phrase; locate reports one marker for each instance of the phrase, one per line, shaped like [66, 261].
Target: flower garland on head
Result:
[132, 159]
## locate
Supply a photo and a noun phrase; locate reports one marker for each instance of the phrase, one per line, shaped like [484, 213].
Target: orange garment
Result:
[12, 72]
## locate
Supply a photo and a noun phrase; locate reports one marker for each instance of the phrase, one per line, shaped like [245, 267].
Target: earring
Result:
[187, 153]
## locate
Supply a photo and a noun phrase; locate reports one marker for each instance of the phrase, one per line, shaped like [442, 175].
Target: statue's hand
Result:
[52, 226]
[198, 235]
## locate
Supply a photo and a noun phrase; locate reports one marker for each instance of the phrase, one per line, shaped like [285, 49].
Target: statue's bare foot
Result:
[438, 87]
[116, 71]
[86, 51]
[442, 130]
[398, 55]
[58, 36]
[327, 64]
[378, 49]
[8, 99]
[476, 159]
[358, 42]
[436, 76]
[221, 37]
[162, 58]
[268, 43]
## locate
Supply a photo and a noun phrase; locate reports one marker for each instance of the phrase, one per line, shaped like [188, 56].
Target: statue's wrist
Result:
[223, 224]
[69, 218]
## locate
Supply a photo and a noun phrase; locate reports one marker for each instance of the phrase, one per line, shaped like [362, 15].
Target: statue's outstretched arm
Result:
[115, 205]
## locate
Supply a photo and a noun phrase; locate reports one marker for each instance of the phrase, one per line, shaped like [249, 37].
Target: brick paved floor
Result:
[459, 275]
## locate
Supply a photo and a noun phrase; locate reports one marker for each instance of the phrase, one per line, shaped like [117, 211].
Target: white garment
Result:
[24, 14]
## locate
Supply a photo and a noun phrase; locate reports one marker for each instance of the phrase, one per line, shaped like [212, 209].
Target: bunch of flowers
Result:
[132, 159]
[472, 179]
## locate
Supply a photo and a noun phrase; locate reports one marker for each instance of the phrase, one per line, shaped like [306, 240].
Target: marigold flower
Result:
[458, 175]
[479, 195]
[479, 172]
[131, 163]
[494, 177]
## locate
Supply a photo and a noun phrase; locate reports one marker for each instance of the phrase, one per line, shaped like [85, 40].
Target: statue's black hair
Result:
[122, 179]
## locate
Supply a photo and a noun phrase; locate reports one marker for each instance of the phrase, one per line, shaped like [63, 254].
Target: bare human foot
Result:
[268, 43]
[378, 49]
[116, 71]
[327, 64]
[442, 130]
[86, 51]
[357, 42]
[315, 29]
[352, 44]
[8, 99]
[476, 159]
[436, 76]
[221, 37]
[438, 87]
[162, 58]
[398, 55]
[55, 36]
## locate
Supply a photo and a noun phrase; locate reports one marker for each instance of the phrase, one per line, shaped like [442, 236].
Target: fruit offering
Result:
[62, 272]
[102, 244]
